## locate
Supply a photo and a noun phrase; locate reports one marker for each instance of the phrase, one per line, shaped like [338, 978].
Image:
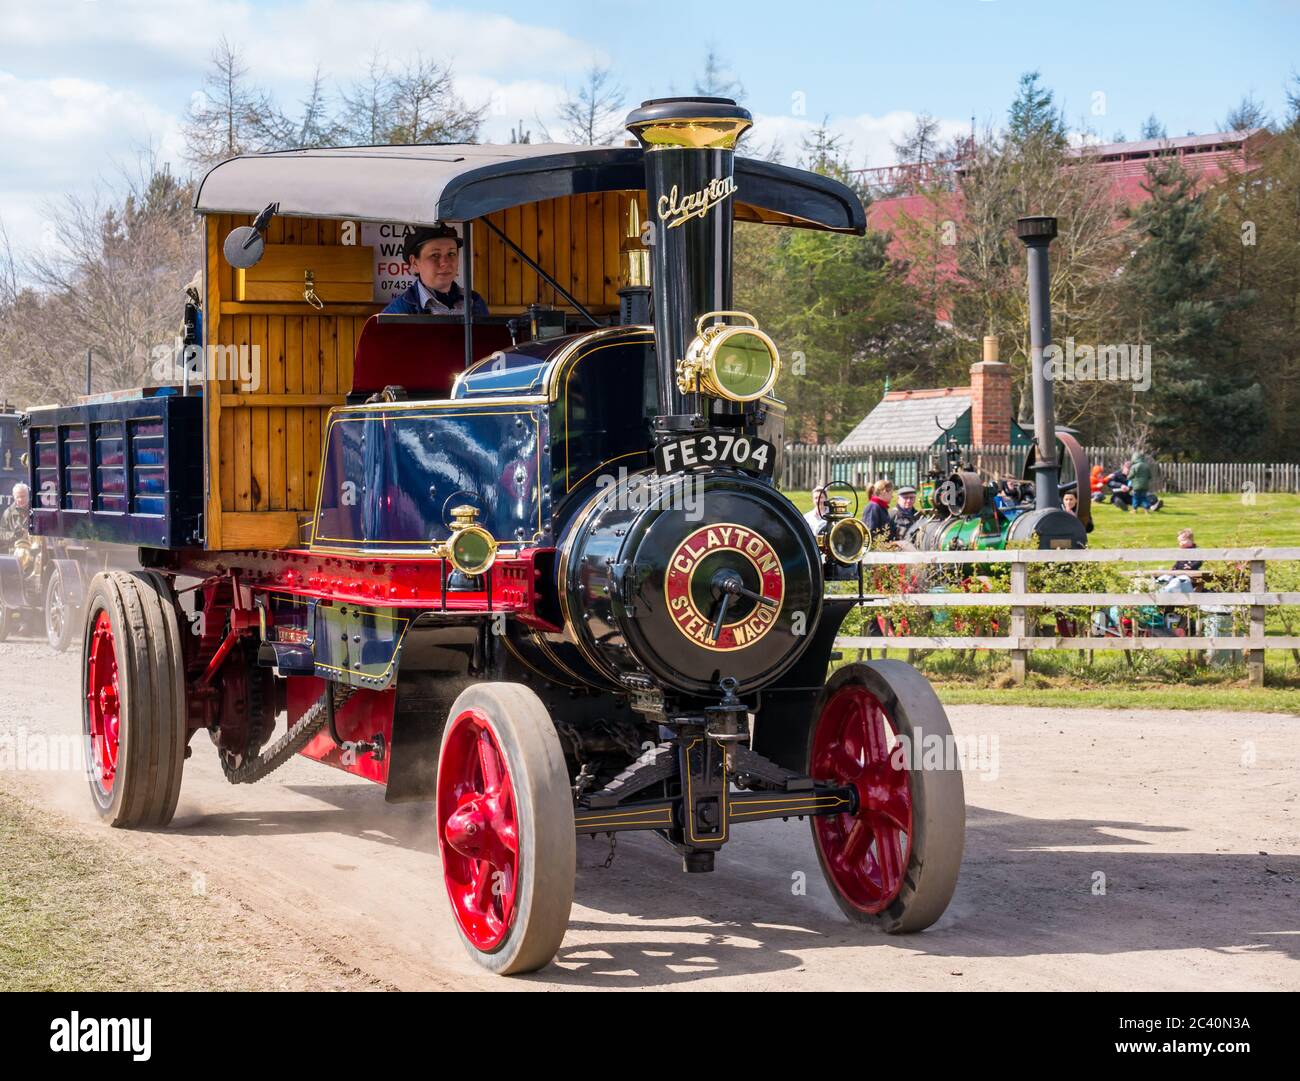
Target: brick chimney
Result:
[990, 392]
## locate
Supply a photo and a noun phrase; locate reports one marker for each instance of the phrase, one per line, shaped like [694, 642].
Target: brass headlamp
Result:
[845, 537]
[735, 361]
[471, 549]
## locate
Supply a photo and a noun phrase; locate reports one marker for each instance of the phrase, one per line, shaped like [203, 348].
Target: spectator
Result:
[1187, 539]
[1139, 477]
[1121, 492]
[876, 517]
[906, 512]
[1097, 484]
[1174, 582]
[13, 523]
[1070, 502]
[816, 518]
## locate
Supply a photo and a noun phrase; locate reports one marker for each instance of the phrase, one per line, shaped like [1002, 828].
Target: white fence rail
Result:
[1020, 600]
[805, 465]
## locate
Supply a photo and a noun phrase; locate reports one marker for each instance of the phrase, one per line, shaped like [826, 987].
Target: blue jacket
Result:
[878, 522]
[408, 303]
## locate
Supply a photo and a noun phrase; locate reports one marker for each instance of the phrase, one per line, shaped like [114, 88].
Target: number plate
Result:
[716, 449]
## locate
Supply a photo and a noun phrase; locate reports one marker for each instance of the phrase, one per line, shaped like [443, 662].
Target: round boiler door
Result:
[728, 585]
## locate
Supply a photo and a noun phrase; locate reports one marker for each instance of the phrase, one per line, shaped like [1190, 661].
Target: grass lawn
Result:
[1219, 521]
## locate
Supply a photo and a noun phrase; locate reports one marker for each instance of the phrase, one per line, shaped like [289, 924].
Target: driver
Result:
[432, 256]
[13, 524]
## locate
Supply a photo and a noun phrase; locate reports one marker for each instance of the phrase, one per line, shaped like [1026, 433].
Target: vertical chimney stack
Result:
[990, 390]
[1037, 233]
[689, 148]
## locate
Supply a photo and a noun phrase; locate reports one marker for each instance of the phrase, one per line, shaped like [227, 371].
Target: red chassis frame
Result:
[230, 581]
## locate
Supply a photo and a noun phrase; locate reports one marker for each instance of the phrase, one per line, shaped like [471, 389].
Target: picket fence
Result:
[806, 465]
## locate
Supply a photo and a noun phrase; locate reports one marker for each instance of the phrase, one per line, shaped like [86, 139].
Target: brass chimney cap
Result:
[689, 123]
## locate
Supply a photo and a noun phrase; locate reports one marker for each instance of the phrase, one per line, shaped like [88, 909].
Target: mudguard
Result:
[11, 583]
[74, 583]
[786, 707]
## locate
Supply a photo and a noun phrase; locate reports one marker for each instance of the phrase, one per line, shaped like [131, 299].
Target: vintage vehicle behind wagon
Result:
[531, 566]
[43, 578]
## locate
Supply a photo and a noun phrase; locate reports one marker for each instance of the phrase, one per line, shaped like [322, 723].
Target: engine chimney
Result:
[689, 146]
[1036, 233]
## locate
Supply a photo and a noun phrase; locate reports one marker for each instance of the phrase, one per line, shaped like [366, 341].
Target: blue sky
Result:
[85, 83]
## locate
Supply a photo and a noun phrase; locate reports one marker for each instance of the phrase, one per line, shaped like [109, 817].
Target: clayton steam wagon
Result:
[525, 560]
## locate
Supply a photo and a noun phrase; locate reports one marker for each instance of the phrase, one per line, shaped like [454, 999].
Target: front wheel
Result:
[880, 729]
[58, 618]
[505, 827]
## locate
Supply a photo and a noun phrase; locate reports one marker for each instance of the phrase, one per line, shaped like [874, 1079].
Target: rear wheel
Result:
[133, 713]
[894, 862]
[505, 827]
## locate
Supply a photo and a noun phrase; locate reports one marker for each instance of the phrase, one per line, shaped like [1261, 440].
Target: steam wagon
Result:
[962, 510]
[531, 565]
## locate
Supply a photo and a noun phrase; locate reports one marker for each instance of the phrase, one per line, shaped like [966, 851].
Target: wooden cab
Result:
[552, 226]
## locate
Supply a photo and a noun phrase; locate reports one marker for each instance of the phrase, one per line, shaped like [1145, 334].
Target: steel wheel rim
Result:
[866, 854]
[478, 830]
[103, 703]
[54, 617]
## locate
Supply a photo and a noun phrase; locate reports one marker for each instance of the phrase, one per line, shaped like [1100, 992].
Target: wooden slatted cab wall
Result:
[264, 441]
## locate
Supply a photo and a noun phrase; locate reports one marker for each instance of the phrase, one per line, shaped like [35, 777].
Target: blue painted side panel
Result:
[392, 476]
[125, 471]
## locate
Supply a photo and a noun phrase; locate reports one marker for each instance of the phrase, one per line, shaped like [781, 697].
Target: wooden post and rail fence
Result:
[1020, 600]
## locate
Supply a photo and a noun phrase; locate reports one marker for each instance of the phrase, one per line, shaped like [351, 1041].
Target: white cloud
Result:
[84, 87]
[85, 84]
[287, 42]
[868, 140]
[58, 132]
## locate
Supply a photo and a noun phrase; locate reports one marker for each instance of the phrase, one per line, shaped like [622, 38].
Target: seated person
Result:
[432, 254]
[1182, 578]
[1070, 504]
[1097, 484]
[1121, 492]
[13, 523]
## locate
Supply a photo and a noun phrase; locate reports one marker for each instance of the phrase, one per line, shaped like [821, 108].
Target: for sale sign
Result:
[392, 275]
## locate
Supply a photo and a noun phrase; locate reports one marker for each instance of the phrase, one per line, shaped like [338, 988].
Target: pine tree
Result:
[1201, 405]
[1034, 117]
[1153, 129]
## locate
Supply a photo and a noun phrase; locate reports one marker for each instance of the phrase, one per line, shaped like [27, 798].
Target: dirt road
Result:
[1106, 849]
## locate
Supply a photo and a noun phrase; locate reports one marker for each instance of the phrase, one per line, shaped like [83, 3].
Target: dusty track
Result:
[1193, 819]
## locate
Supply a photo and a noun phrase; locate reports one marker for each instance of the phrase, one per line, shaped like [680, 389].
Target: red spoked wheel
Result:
[894, 861]
[133, 698]
[481, 836]
[103, 704]
[505, 827]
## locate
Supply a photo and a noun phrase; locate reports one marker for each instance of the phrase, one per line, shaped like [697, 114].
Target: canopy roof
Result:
[458, 182]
